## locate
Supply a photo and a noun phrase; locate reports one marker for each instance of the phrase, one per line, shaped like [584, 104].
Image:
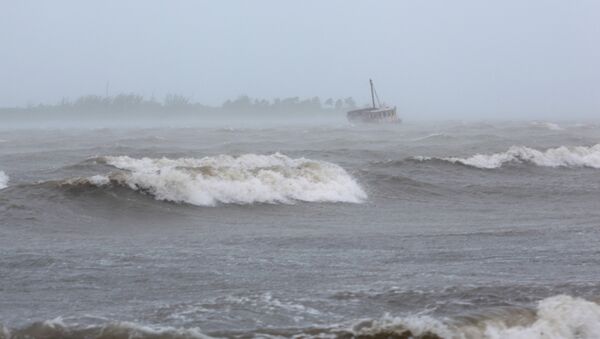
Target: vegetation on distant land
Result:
[137, 106]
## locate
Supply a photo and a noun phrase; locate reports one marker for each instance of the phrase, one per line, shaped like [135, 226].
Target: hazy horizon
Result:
[216, 169]
[433, 59]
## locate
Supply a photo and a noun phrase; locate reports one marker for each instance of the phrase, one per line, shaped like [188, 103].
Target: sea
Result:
[419, 230]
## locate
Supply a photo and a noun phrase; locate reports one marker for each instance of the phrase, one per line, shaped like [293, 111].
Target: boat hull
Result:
[385, 115]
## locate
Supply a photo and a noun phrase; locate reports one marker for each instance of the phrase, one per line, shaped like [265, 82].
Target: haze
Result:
[533, 59]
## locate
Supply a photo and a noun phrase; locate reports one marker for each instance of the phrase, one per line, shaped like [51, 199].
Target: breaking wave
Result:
[579, 156]
[547, 125]
[58, 328]
[3, 180]
[434, 136]
[557, 317]
[246, 179]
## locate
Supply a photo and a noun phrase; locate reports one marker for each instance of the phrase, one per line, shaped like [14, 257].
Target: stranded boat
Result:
[375, 114]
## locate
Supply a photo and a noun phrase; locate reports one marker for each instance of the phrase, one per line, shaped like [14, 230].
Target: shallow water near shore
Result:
[432, 230]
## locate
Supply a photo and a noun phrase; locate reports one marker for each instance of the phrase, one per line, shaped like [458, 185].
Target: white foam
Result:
[56, 322]
[558, 317]
[417, 325]
[3, 180]
[119, 329]
[288, 305]
[579, 156]
[246, 179]
[271, 304]
[138, 330]
[433, 136]
[99, 180]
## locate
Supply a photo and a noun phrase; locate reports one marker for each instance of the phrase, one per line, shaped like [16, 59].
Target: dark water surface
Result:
[326, 232]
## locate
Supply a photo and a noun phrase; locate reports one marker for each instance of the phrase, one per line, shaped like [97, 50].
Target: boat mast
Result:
[372, 93]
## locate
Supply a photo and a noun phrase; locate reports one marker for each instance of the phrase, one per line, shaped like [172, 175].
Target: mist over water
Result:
[187, 169]
[435, 59]
[449, 230]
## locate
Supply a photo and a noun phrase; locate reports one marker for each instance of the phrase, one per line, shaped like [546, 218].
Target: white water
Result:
[558, 317]
[3, 180]
[122, 329]
[246, 179]
[579, 156]
[417, 325]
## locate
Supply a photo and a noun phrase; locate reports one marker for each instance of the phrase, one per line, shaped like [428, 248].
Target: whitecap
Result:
[245, 179]
[433, 136]
[58, 328]
[547, 125]
[578, 156]
[3, 180]
[557, 317]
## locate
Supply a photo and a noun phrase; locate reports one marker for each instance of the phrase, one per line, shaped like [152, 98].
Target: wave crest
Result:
[547, 125]
[434, 136]
[3, 180]
[579, 156]
[57, 328]
[557, 317]
[560, 317]
[246, 179]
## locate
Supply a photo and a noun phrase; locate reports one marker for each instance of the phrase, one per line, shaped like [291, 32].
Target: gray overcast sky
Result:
[448, 59]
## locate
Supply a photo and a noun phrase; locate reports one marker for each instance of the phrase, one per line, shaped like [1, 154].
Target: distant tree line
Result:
[172, 103]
